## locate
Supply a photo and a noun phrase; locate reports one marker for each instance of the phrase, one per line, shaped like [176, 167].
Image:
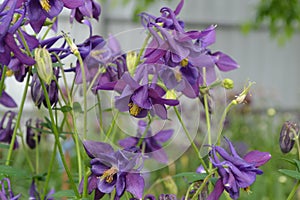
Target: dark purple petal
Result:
[257, 158]
[128, 142]
[7, 100]
[217, 192]
[55, 9]
[95, 149]
[98, 168]
[135, 184]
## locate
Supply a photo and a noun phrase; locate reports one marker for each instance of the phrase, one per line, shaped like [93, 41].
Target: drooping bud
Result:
[131, 61]
[288, 135]
[242, 96]
[33, 135]
[44, 64]
[227, 83]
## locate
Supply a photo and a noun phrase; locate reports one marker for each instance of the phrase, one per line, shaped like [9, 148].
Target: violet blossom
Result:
[151, 143]
[33, 134]
[111, 170]
[34, 194]
[7, 31]
[90, 9]
[235, 172]
[7, 194]
[139, 99]
[6, 128]
[39, 11]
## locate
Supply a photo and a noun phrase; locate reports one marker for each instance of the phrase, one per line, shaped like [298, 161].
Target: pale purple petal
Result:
[164, 135]
[73, 3]
[224, 62]
[128, 142]
[135, 184]
[120, 184]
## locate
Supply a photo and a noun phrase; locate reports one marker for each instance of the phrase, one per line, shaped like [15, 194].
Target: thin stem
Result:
[100, 114]
[4, 68]
[13, 139]
[53, 156]
[294, 190]
[56, 136]
[142, 50]
[222, 120]
[202, 185]
[111, 127]
[190, 139]
[144, 133]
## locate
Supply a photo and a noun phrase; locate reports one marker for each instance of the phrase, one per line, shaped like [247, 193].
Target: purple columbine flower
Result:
[40, 10]
[90, 9]
[6, 131]
[151, 143]
[33, 134]
[34, 194]
[138, 99]
[235, 172]
[7, 194]
[7, 31]
[111, 170]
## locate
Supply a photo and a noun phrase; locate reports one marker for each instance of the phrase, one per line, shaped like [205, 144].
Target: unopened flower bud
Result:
[288, 135]
[131, 60]
[33, 134]
[44, 64]
[228, 83]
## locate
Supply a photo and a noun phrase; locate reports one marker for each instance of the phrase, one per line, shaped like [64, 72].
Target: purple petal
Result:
[95, 149]
[164, 135]
[7, 101]
[56, 8]
[257, 158]
[159, 155]
[105, 187]
[128, 142]
[160, 110]
[224, 62]
[135, 184]
[120, 184]
[73, 3]
[217, 192]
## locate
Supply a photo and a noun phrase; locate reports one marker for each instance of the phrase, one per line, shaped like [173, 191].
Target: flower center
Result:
[45, 5]
[247, 189]
[184, 62]
[108, 175]
[134, 109]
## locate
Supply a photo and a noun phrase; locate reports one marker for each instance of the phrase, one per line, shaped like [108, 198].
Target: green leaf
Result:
[297, 164]
[191, 176]
[63, 193]
[77, 107]
[11, 171]
[291, 173]
[65, 109]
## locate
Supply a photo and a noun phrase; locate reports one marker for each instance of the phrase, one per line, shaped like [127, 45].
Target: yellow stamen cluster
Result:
[108, 175]
[45, 5]
[184, 62]
[247, 189]
[9, 72]
[134, 109]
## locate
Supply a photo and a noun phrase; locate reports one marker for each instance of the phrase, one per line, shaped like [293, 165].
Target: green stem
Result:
[13, 139]
[144, 133]
[142, 50]
[111, 127]
[56, 136]
[195, 196]
[190, 139]
[222, 120]
[100, 114]
[4, 68]
[53, 156]
[294, 190]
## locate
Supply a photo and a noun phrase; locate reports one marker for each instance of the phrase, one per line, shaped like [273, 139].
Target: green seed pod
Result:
[288, 135]
[44, 64]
